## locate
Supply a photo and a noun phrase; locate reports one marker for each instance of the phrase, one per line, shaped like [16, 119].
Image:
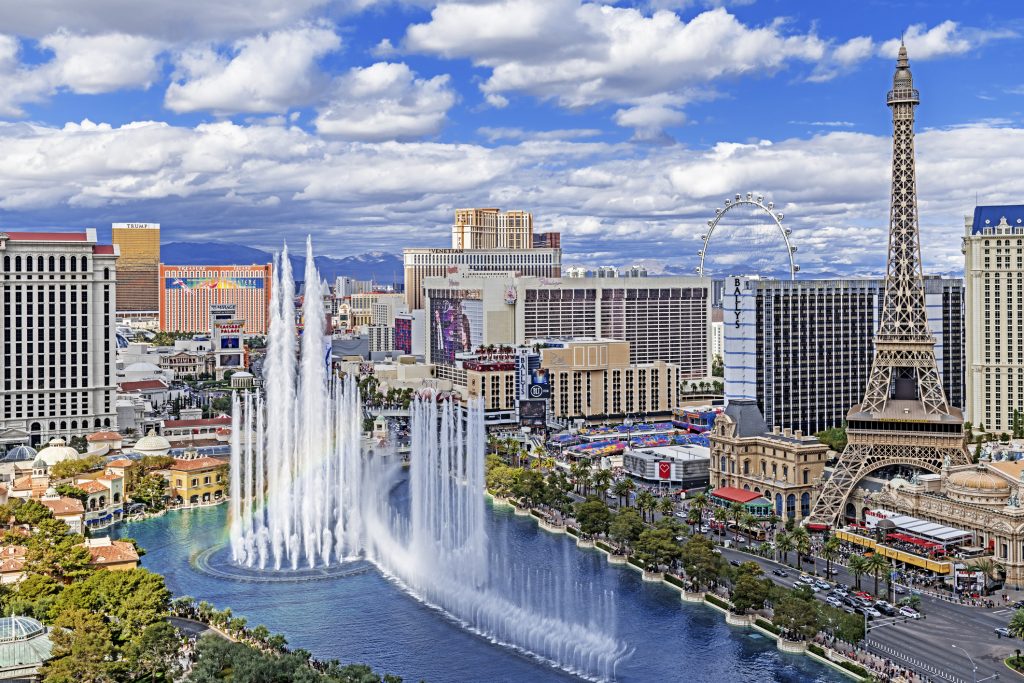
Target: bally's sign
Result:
[736, 299]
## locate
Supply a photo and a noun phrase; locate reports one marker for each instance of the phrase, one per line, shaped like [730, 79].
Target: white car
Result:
[872, 612]
[834, 601]
[910, 612]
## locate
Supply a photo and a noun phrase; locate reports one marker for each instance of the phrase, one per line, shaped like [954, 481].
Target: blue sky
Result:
[623, 125]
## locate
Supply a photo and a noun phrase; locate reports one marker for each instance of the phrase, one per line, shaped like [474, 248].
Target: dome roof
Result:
[19, 628]
[152, 443]
[142, 367]
[978, 479]
[57, 451]
[39, 464]
[19, 453]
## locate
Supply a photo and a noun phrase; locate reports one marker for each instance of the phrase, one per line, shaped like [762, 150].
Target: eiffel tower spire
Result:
[904, 418]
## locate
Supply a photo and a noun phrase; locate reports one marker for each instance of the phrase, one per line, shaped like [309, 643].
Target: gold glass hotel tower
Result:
[138, 268]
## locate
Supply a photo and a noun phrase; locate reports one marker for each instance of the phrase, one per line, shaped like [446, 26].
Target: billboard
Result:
[190, 283]
[540, 384]
[533, 413]
[665, 469]
[456, 325]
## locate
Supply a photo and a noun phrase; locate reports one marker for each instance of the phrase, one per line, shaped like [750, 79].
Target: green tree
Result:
[858, 567]
[30, 512]
[721, 516]
[155, 652]
[622, 488]
[66, 469]
[1016, 624]
[802, 544]
[625, 528]
[797, 615]
[83, 651]
[151, 490]
[830, 552]
[593, 517]
[736, 512]
[992, 570]
[132, 600]
[834, 438]
[848, 627]
[33, 596]
[645, 501]
[52, 551]
[657, 547]
[72, 491]
[783, 544]
[701, 562]
[529, 486]
[750, 589]
[875, 565]
[602, 479]
[666, 506]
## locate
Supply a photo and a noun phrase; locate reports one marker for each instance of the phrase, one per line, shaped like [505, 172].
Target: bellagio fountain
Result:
[305, 494]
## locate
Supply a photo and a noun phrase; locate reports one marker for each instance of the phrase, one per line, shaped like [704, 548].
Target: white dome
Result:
[57, 451]
[152, 444]
[142, 367]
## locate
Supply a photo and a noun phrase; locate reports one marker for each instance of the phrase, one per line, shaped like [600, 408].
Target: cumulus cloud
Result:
[581, 54]
[386, 101]
[82, 64]
[616, 199]
[262, 74]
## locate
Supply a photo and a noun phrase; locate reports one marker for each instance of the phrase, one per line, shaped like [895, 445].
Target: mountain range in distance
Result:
[378, 266]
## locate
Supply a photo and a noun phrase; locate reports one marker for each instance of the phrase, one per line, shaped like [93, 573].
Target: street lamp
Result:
[974, 667]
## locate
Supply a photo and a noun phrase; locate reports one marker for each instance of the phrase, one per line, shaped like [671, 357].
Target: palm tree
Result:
[784, 543]
[666, 506]
[802, 542]
[578, 471]
[875, 565]
[989, 567]
[601, 480]
[622, 489]
[693, 519]
[858, 567]
[736, 512]
[700, 503]
[721, 515]
[830, 552]
[645, 501]
[1016, 624]
[749, 523]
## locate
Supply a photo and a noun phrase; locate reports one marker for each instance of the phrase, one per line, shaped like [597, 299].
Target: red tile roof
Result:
[197, 464]
[734, 494]
[103, 249]
[91, 486]
[142, 385]
[110, 552]
[64, 506]
[206, 422]
[120, 462]
[47, 236]
[104, 436]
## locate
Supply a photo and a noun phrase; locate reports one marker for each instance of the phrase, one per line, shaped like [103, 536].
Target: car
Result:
[841, 592]
[863, 602]
[823, 585]
[862, 594]
[780, 572]
[900, 590]
[850, 601]
[909, 612]
[705, 529]
[872, 612]
[834, 601]
[831, 571]
[1019, 604]
[1003, 632]
[885, 608]
[734, 563]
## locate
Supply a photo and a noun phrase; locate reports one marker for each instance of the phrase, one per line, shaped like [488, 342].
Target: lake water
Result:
[363, 617]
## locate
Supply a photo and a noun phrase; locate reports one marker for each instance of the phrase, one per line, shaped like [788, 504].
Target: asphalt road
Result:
[925, 645]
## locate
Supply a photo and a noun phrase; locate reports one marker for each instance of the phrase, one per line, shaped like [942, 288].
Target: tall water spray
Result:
[303, 493]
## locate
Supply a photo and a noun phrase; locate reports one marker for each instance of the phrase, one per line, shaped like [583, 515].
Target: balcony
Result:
[903, 95]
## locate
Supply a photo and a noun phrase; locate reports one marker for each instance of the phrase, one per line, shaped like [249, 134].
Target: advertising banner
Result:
[540, 384]
[665, 469]
[532, 413]
[456, 325]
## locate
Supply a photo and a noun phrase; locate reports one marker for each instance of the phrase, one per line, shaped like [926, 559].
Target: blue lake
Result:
[363, 617]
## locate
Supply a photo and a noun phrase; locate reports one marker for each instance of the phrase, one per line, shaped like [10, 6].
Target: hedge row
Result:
[817, 649]
[855, 668]
[675, 581]
[635, 563]
[768, 626]
[604, 546]
[536, 514]
[715, 600]
[572, 530]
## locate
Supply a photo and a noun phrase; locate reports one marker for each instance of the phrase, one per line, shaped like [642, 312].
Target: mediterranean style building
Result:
[993, 247]
[781, 465]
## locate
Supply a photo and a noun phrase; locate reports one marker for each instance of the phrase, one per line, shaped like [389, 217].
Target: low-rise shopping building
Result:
[196, 479]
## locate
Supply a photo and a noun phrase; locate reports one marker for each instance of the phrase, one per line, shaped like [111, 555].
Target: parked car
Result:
[1019, 604]
[841, 592]
[885, 608]
[900, 590]
[1003, 632]
[862, 594]
[834, 601]
[823, 585]
[909, 612]
[780, 572]
[871, 612]
[734, 563]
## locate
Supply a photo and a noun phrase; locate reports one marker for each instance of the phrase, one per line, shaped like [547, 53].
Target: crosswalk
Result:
[929, 670]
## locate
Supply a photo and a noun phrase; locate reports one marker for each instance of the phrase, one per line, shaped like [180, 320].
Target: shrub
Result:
[817, 649]
[604, 546]
[715, 600]
[635, 563]
[536, 513]
[768, 626]
[572, 530]
[675, 580]
[855, 668]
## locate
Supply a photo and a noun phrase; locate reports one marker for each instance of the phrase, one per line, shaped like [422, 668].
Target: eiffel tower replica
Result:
[904, 418]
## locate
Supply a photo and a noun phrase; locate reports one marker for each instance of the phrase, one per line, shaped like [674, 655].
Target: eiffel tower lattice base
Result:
[860, 459]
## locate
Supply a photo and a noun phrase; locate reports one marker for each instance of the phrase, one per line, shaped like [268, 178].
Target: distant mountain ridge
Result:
[375, 265]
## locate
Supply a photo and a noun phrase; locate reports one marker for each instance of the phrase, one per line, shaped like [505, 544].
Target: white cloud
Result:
[386, 101]
[102, 63]
[924, 43]
[496, 134]
[650, 117]
[264, 74]
[582, 54]
[854, 50]
[82, 64]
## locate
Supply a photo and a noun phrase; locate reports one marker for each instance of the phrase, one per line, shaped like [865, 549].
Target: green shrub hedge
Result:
[675, 580]
[536, 514]
[573, 530]
[855, 668]
[604, 546]
[715, 600]
[635, 563]
[817, 649]
[768, 626]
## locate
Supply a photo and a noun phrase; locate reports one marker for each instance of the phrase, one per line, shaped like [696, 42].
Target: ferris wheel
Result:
[749, 231]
